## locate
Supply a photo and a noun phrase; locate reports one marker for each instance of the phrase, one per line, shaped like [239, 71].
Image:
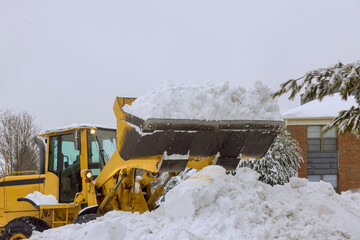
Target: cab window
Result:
[101, 146]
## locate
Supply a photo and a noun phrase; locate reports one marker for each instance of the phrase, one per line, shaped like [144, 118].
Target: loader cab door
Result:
[101, 146]
[64, 161]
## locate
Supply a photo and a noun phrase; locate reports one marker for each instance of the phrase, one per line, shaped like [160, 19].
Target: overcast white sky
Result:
[66, 61]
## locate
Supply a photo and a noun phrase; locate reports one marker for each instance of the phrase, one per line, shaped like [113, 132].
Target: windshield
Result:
[101, 146]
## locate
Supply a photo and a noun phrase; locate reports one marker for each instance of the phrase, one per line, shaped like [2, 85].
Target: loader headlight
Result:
[92, 131]
[88, 175]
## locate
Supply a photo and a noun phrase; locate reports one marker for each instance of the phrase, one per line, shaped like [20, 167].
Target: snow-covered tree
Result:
[280, 163]
[319, 83]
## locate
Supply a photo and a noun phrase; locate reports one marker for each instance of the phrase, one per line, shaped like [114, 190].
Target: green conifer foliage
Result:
[280, 163]
[319, 83]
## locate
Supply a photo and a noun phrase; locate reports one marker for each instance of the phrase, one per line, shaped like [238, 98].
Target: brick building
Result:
[327, 156]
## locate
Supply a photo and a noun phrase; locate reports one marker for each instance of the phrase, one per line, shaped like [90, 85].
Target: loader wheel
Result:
[86, 218]
[22, 228]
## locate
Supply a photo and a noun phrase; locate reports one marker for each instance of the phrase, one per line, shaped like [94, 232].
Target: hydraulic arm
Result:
[170, 145]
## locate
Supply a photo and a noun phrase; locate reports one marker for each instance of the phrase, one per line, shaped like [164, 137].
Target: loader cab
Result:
[72, 150]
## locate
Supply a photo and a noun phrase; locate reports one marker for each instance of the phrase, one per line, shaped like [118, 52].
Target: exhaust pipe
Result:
[41, 146]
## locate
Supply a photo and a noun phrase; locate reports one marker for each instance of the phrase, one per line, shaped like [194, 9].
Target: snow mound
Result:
[213, 205]
[207, 102]
[40, 199]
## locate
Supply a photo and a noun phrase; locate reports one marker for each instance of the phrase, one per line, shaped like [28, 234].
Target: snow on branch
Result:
[316, 84]
[280, 163]
[325, 81]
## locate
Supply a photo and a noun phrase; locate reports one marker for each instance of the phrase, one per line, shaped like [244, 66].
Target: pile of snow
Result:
[40, 199]
[207, 102]
[329, 107]
[213, 205]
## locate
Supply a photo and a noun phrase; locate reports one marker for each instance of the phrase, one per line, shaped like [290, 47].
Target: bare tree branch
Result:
[16, 142]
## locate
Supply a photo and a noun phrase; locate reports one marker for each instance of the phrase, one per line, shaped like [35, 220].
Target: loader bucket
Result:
[178, 140]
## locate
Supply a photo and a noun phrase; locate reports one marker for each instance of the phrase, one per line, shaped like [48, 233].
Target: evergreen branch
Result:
[325, 81]
[346, 121]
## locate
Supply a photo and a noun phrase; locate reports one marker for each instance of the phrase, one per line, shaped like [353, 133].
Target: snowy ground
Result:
[210, 101]
[213, 205]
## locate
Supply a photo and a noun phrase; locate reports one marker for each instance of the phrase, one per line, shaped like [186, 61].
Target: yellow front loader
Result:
[92, 170]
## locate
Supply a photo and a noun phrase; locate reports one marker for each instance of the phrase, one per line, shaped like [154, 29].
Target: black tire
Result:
[86, 218]
[22, 227]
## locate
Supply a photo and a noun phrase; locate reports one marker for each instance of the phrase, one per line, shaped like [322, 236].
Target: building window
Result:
[314, 178]
[317, 141]
[332, 179]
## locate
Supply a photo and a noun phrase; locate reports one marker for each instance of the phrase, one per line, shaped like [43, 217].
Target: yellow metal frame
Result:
[60, 214]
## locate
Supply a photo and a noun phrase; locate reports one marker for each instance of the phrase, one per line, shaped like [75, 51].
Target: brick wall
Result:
[348, 155]
[299, 132]
[349, 162]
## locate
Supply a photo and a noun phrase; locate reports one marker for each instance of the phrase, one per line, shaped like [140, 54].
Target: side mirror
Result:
[77, 140]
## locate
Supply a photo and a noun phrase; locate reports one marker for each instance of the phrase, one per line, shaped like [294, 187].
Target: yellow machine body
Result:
[91, 169]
